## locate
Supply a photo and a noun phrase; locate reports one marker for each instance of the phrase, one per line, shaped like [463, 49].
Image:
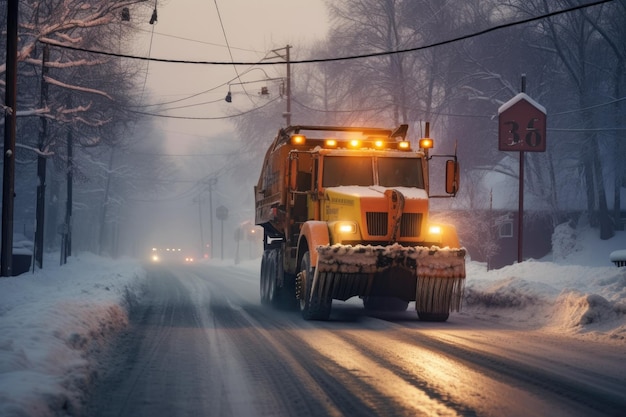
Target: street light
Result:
[153, 19]
[125, 15]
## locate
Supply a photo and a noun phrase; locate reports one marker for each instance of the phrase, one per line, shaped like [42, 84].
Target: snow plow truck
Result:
[345, 213]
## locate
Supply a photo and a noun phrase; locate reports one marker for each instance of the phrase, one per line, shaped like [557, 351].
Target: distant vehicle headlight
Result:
[155, 258]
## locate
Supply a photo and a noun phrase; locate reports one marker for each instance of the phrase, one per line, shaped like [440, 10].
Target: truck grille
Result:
[378, 224]
[410, 225]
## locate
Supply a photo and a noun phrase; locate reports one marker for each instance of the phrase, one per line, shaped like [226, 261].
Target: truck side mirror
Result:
[453, 176]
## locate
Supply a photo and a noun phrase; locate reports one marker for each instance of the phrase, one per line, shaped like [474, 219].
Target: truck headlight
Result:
[434, 230]
[345, 227]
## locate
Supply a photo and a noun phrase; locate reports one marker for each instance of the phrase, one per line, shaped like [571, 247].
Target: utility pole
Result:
[66, 240]
[210, 182]
[288, 113]
[200, 200]
[41, 163]
[70, 193]
[285, 55]
[105, 205]
[10, 102]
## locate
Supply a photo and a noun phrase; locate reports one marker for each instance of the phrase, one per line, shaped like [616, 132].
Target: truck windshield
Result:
[348, 170]
[358, 170]
[400, 172]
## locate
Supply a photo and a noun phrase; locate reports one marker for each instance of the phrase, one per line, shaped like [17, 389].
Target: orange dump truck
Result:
[345, 214]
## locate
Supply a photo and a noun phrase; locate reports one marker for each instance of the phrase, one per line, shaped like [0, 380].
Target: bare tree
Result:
[575, 40]
[71, 93]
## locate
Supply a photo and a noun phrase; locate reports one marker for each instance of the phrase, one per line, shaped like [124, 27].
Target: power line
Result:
[252, 68]
[197, 41]
[203, 155]
[590, 107]
[600, 129]
[153, 20]
[204, 118]
[343, 58]
[230, 52]
[608, 103]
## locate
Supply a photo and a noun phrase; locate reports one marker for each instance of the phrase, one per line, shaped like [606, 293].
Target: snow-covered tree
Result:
[66, 92]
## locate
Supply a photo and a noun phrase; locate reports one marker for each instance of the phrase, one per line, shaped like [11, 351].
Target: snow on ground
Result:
[576, 290]
[53, 321]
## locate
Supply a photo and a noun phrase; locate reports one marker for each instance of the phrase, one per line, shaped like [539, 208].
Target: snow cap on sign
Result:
[518, 97]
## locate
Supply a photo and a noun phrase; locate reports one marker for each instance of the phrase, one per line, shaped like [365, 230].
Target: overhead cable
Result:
[343, 58]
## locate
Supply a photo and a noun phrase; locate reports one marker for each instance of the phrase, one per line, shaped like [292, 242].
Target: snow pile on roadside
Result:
[51, 323]
[577, 292]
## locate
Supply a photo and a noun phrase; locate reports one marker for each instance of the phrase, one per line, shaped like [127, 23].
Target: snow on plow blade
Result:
[343, 271]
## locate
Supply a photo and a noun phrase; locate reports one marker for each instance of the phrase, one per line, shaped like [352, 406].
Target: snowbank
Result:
[51, 323]
[575, 291]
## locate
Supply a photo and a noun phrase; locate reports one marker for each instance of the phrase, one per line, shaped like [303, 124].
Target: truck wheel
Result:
[284, 297]
[273, 290]
[385, 304]
[312, 306]
[264, 279]
[439, 317]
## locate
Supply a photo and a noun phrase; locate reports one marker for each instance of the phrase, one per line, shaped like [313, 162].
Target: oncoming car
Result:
[170, 255]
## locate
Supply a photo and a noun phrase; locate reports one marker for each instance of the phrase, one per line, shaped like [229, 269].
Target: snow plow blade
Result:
[436, 275]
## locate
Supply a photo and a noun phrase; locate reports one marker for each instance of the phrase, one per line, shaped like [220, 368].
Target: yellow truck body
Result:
[345, 213]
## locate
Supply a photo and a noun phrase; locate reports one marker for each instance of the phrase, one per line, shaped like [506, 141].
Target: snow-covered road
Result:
[200, 343]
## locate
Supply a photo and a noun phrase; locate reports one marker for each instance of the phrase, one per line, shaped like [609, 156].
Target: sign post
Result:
[222, 214]
[521, 128]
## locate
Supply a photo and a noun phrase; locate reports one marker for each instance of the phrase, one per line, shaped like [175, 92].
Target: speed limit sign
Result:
[522, 125]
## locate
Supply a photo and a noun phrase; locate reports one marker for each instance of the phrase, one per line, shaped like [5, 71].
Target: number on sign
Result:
[532, 137]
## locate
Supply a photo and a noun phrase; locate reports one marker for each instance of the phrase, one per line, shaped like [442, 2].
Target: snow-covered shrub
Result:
[564, 241]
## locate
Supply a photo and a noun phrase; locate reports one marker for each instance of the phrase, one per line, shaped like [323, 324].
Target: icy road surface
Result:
[201, 344]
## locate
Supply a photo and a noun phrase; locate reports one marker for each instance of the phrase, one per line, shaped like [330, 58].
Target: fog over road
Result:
[201, 344]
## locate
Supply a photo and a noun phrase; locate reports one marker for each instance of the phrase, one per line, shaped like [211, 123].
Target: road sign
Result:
[522, 125]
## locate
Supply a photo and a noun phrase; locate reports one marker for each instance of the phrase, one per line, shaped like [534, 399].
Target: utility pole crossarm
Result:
[286, 56]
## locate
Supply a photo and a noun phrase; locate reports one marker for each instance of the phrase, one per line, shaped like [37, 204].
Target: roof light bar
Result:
[426, 143]
[330, 143]
[298, 139]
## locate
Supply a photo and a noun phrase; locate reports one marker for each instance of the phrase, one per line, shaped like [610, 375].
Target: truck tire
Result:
[281, 297]
[270, 291]
[264, 278]
[277, 296]
[385, 304]
[312, 307]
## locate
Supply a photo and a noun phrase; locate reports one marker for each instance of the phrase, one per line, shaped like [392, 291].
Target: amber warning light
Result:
[426, 143]
[298, 139]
